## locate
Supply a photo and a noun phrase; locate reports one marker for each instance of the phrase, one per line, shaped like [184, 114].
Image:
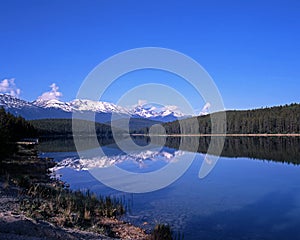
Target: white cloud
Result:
[205, 109]
[171, 108]
[8, 86]
[157, 107]
[141, 102]
[53, 94]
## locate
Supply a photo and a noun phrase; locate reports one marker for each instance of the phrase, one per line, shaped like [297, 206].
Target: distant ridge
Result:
[41, 109]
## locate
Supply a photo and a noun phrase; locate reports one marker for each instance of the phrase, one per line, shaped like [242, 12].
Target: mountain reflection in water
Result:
[239, 191]
[278, 149]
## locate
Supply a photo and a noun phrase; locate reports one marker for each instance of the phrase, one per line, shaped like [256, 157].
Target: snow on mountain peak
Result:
[147, 111]
[96, 106]
[53, 103]
[80, 105]
[12, 102]
[162, 113]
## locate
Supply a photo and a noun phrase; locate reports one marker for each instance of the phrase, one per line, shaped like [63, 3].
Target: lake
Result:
[252, 193]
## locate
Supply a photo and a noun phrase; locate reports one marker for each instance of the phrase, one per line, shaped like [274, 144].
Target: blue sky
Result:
[250, 48]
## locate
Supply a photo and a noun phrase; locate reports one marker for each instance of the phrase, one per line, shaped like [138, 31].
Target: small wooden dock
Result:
[28, 141]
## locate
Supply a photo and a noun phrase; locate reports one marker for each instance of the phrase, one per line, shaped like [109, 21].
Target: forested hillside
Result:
[14, 128]
[63, 127]
[281, 119]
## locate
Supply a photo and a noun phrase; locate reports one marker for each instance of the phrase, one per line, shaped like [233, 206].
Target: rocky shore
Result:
[14, 224]
[17, 223]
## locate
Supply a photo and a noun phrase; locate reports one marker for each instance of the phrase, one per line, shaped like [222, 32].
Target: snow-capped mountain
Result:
[56, 109]
[9, 101]
[53, 103]
[81, 105]
[29, 110]
[157, 114]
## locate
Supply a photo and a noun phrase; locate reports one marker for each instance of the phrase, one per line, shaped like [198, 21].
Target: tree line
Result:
[14, 128]
[279, 119]
[63, 127]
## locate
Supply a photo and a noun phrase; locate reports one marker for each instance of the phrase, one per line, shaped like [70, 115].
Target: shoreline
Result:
[18, 198]
[222, 135]
[18, 225]
[15, 224]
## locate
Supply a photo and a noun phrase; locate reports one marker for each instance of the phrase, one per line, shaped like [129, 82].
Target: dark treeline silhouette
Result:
[279, 149]
[63, 127]
[13, 129]
[280, 119]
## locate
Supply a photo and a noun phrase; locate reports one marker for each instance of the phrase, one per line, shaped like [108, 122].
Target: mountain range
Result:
[42, 109]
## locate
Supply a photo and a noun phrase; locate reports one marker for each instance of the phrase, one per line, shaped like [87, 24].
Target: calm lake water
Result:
[252, 193]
